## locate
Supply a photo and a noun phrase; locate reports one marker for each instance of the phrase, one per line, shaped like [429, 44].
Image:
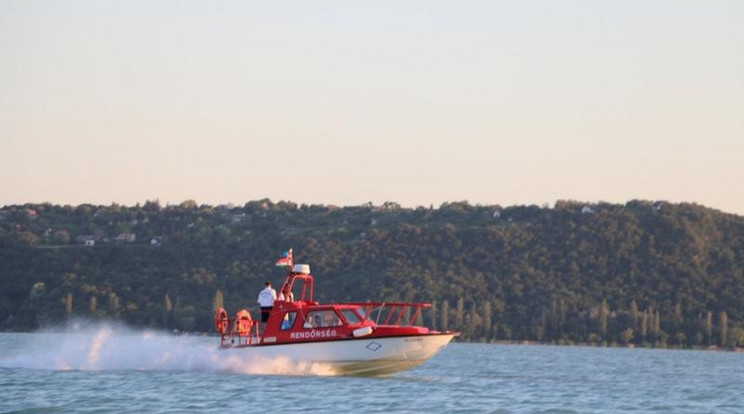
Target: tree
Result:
[698, 338]
[433, 316]
[487, 322]
[626, 336]
[37, 290]
[538, 330]
[93, 307]
[152, 206]
[677, 325]
[68, 303]
[26, 237]
[218, 301]
[168, 308]
[603, 312]
[678, 315]
[724, 328]
[709, 327]
[113, 304]
[68, 279]
[657, 326]
[445, 315]
[736, 336]
[634, 313]
[189, 205]
[473, 322]
[61, 237]
[459, 313]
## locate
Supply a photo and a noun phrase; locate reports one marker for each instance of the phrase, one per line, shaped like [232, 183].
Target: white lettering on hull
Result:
[314, 334]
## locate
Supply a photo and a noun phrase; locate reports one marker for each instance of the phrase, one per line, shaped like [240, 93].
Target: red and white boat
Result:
[364, 338]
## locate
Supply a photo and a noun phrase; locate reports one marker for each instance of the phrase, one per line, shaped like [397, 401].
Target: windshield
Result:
[350, 316]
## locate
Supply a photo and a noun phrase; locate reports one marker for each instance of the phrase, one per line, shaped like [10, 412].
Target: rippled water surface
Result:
[106, 369]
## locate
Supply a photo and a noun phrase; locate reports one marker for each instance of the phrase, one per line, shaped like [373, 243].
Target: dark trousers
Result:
[265, 310]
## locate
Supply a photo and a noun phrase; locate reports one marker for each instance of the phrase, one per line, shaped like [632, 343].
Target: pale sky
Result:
[418, 102]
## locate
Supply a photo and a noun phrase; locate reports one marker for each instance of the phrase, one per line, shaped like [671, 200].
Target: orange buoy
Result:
[243, 322]
[220, 321]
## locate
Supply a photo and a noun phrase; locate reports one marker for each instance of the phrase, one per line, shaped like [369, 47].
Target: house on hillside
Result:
[126, 238]
[87, 240]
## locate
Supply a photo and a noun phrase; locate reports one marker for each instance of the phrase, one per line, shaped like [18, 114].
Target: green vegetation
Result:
[649, 274]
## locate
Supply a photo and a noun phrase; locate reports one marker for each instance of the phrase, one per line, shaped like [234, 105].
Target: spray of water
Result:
[107, 347]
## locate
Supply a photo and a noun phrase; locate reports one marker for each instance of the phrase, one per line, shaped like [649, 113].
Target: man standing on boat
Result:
[267, 296]
[266, 300]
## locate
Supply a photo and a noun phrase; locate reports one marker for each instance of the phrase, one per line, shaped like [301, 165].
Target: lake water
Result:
[107, 369]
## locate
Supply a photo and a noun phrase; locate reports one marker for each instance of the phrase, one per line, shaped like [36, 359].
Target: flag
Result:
[285, 260]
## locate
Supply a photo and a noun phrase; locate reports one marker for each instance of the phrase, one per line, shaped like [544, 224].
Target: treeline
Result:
[643, 273]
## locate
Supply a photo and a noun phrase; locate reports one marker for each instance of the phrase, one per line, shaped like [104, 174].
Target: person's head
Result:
[267, 284]
[286, 289]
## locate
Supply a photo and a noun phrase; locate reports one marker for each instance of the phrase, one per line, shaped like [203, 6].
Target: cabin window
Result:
[350, 316]
[322, 319]
[288, 320]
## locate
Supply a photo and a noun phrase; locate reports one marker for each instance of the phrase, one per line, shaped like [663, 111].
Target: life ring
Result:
[221, 321]
[243, 322]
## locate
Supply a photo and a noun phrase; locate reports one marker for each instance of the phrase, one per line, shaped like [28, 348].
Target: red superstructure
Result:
[304, 320]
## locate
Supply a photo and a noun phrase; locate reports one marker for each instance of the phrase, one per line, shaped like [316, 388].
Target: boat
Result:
[356, 338]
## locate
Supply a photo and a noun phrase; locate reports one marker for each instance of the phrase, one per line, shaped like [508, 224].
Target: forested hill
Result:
[645, 273]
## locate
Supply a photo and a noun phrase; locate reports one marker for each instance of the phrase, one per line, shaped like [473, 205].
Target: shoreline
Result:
[712, 348]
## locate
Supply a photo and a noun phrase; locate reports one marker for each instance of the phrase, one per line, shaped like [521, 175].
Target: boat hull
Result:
[358, 356]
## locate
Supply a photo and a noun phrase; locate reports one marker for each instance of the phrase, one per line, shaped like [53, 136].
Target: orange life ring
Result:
[220, 321]
[243, 322]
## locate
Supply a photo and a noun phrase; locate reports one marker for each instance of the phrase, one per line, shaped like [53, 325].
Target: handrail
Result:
[421, 304]
[251, 336]
[394, 309]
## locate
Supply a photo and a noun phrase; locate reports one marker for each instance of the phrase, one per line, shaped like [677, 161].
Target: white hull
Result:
[362, 356]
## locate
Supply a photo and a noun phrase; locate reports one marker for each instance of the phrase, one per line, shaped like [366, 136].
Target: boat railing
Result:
[240, 334]
[393, 313]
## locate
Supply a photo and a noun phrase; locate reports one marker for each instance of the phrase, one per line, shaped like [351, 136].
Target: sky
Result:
[347, 102]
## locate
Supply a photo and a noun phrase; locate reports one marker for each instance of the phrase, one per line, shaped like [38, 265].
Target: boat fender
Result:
[220, 321]
[359, 332]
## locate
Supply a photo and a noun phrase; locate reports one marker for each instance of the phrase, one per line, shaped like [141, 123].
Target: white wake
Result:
[108, 347]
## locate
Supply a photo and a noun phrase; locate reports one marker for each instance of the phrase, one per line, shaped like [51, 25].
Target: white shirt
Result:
[267, 297]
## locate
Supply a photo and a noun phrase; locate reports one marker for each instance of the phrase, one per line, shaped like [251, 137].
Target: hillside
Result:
[644, 273]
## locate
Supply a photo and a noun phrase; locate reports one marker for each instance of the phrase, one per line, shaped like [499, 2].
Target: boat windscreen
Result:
[350, 316]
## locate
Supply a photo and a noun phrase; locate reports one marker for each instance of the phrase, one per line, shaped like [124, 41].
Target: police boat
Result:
[358, 338]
